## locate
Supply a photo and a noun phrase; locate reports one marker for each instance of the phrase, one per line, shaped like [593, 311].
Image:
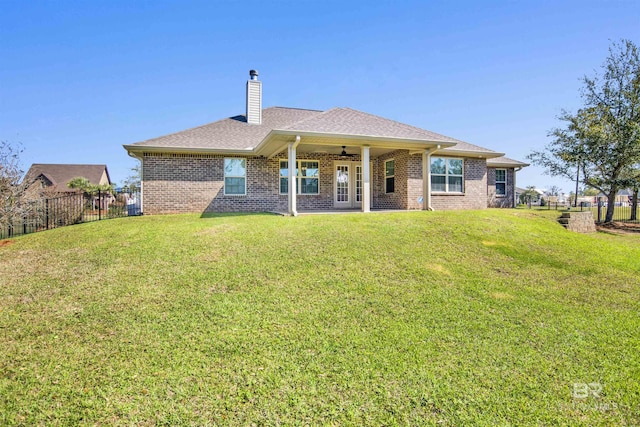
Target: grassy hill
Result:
[496, 317]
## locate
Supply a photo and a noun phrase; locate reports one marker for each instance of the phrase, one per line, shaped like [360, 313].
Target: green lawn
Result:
[495, 317]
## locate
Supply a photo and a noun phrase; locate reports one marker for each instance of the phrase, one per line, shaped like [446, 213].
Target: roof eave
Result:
[363, 137]
[469, 153]
[507, 165]
[138, 149]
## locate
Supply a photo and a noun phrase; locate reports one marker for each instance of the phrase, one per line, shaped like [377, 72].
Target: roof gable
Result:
[347, 121]
[60, 174]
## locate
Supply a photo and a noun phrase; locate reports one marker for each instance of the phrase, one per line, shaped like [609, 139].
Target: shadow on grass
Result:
[209, 215]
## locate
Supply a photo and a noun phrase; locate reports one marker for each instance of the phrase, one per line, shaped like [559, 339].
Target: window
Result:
[446, 175]
[235, 177]
[389, 176]
[501, 182]
[307, 177]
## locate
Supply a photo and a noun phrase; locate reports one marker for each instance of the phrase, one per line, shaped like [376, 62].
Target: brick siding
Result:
[475, 189]
[493, 200]
[180, 183]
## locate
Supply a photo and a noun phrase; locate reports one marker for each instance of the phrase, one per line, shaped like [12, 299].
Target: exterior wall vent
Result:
[254, 99]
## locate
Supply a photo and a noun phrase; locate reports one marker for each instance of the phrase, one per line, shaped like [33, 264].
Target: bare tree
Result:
[12, 206]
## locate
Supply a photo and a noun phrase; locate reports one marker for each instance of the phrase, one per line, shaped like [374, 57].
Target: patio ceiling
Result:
[277, 143]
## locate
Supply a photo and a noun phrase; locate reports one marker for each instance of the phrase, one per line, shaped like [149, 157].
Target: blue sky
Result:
[79, 79]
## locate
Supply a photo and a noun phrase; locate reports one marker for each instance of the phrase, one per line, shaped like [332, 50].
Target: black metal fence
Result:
[75, 208]
[623, 212]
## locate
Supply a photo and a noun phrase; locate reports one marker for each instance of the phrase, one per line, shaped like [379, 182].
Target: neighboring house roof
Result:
[233, 134]
[621, 193]
[505, 162]
[58, 175]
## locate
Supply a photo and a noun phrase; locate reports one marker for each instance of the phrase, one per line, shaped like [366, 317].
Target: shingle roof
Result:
[506, 162]
[346, 121]
[60, 174]
[232, 133]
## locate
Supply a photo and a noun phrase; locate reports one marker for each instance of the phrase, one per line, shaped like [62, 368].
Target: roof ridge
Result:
[293, 108]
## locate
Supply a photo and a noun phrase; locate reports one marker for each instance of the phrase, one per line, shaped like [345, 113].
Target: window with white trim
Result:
[389, 176]
[501, 182]
[447, 175]
[307, 175]
[235, 177]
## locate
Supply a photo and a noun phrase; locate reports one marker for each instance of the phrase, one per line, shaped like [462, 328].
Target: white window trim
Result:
[298, 177]
[501, 182]
[235, 176]
[446, 175]
[384, 171]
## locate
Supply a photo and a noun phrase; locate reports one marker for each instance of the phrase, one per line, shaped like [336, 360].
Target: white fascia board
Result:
[265, 148]
[472, 154]
[507, 165]
[137, 149]
[368, 138]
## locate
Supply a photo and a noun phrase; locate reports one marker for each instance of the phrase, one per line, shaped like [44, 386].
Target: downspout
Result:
[426, 177]
[515, 201]
[293, 179]
[141, 180]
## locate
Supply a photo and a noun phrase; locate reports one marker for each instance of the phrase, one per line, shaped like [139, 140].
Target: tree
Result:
[81, 183]
[12, 190]
[590, 192]
[528, 195]
[601, 142]
[554, 191]
[132, 182]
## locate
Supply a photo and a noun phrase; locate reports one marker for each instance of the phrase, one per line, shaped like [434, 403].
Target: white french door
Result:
[348, 185]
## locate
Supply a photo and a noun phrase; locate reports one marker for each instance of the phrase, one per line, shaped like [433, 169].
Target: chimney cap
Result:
[253, 74]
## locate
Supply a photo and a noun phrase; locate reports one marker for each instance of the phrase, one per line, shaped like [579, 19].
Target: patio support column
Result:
[366, 179]
[293, 179]
[426, 178]
[515, 199]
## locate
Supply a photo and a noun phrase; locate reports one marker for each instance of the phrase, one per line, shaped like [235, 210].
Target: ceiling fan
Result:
[344, 152]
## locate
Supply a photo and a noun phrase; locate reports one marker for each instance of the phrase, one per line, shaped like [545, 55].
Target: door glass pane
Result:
[342, 183]
[358, 184]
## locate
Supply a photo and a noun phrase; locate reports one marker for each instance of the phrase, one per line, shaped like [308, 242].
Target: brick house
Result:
[288, 160]
[52, 179]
